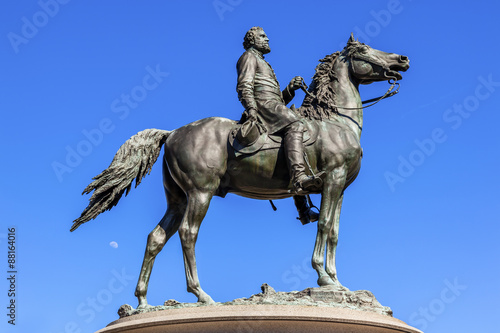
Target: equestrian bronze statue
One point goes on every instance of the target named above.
(214, 156)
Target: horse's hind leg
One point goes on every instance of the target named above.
(156, 240)
(197, 206)
(168, 225)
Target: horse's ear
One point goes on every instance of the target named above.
(351, 39)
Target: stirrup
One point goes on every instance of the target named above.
(309, 183)
(308, 216)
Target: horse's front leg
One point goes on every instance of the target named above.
(333, 187)
(331, 246)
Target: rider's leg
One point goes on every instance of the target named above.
(306, 214)
(294, 151)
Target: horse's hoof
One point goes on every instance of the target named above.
(208, 301)
(205, 299)
(336, 284)
(325, 281)
(144, 306)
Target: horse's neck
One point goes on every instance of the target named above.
(347, 95)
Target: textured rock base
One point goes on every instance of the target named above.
(259, 318)
(362, 300)
(323, 309)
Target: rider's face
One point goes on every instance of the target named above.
(261, 42)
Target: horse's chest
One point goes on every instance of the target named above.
(344, 146)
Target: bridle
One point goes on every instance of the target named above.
(388, 93)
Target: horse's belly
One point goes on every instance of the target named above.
(262, 175)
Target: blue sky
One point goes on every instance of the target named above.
(419, 226)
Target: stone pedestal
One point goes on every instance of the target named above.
(258, 318)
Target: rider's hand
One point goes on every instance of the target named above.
(251, 114)
(295, 83)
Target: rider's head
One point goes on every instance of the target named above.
(257, 38)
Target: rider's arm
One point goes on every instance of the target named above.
(246, 68)
(288, 94)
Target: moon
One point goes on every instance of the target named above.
(113, 244)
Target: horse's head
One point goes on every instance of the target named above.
(369, 65)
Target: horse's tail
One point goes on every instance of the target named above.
(134, 160)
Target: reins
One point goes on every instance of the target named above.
(388, 93)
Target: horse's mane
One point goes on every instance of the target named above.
(321, 106)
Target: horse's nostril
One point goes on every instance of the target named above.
(403, 58)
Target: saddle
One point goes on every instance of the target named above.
(251, 137)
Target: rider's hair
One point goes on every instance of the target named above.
(248, 41)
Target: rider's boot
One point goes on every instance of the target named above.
(294, 151)
(306, 214)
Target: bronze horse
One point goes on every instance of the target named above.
(199, 163)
